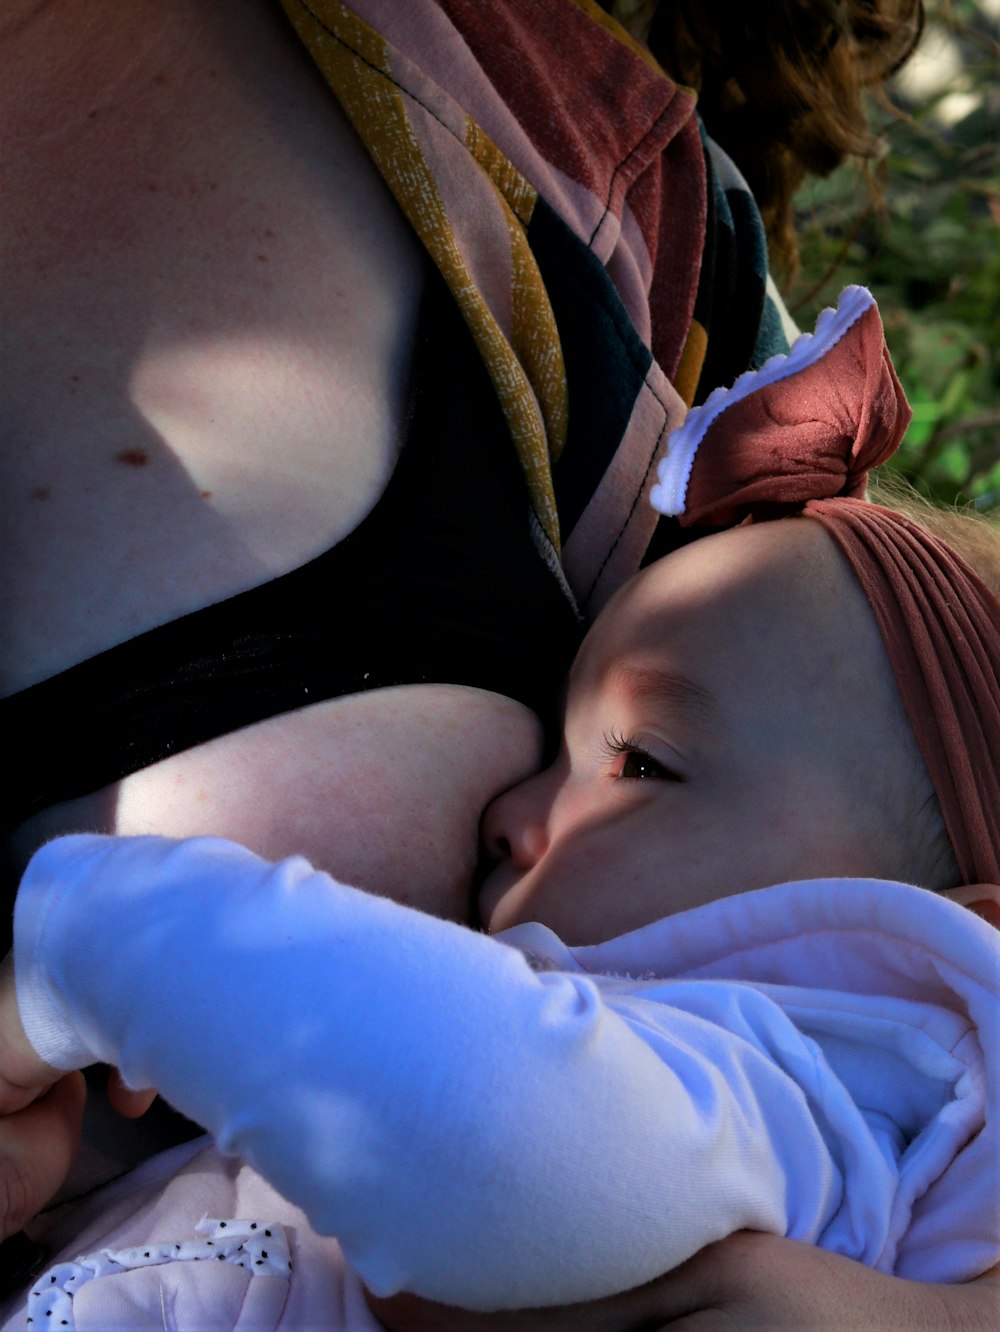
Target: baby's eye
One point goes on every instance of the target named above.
(639, 766)
(634, 763)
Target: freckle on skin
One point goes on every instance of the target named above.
(133, 457)
(41, 492)
(206, 494)
(262, 259)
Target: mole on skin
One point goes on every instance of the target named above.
(133, 457)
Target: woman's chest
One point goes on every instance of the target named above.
(208, 304)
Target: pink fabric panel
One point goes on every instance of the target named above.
(658, 408)
(523, 45)
(203, 1295)
(670, 202)
(165, 1198)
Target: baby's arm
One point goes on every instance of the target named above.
(470, 1130)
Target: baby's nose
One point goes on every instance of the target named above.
(514, 824)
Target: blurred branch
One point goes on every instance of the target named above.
(808, 298)
(990, 452)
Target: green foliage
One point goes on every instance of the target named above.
(930, 252)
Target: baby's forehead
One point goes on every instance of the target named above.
(772, 570)
(758, 609)
(765, 634)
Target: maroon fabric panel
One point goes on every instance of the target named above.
(669, 200)
(611, 121)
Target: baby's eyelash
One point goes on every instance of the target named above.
(614, 744)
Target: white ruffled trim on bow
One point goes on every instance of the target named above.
(669, 495)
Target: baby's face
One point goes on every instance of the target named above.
(729, 724)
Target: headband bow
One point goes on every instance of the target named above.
(806, 426)
(799, 436)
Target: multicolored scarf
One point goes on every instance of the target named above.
(606, 256)
(799, 437)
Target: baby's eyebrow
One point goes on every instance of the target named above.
(654, 684)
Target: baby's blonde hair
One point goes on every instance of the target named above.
(973, 534)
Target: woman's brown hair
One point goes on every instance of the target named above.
(780, 85)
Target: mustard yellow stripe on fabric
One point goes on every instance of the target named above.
(324, 25)
(535, 340)
(520, 196)
(692, 359)
(356, 64)
(534, 335)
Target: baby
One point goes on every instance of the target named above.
(731, 722)
(725, 1003)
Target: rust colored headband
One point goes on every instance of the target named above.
(799, 436)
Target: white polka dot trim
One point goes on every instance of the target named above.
(260, 1247)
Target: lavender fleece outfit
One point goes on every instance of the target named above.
(466, 1114)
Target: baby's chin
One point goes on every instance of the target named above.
(499, 900)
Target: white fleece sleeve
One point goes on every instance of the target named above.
(470, 1130)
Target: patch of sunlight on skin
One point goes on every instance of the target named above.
(204, 393)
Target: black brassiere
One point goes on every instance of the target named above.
(440, 583)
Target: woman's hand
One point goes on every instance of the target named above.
(37, 1147)
(746, 1281)
(41, 1114)
(23, 1075)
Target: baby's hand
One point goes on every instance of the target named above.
(24, 1076)
(129, 1103)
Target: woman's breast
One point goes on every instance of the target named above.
(383, 790)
